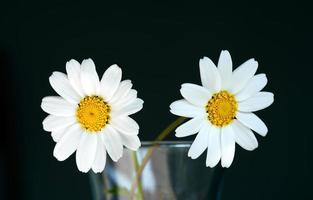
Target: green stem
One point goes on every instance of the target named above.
(136, 165)
(150, 151)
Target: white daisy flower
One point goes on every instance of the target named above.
(91, 116)
(221, 109)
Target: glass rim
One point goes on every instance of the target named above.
(166, 143)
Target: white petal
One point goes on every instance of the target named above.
(57, 106)
(112, 141)
(58, 134)
(130, 141)
(242, 75)
(89, 77)
(68, 143)
(110, 81)
(52, 122)
(227, 146)
(195, 94)
(125, 125)
(129, 98)
(122, 91)
(244, 136)
(200, 144)
(252, 121)
(86, 151)
(100, 158)
(190, 127)
(257, 102)
(73, 72)
(129, 109)
(62, 86)
(255, 85)
(225, 68)
(185, 109)
(210, 77)
(214, 147)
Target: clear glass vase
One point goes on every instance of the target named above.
(168, 174)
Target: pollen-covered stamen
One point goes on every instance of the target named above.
(222, 108)
(93, 113)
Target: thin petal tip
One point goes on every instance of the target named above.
(177, 134)
(58, 157)
(225, 52)
(72, 61)
(210, 165)
(88, 62)
(115, 66)
(97, 171)
(83, 170)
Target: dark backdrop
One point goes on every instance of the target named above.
(158, 45)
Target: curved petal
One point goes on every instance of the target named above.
(52, 122)
(86, 151)
(130, 109)
(190, 127)
(244, 136)
(214, 147)
(132, 142)
(200, 143)
(209, 74)
(57, 106)
(129, 98)
(62, 86)
(73, 73)
(122, 91)
(227, 146)
(257, 102)
(255, 85)
(112, 142)
(195, 94)
(110, 81)
(125, 125)
(68, 143)
(225, 68)
(252, 121)
(58, 134)
(185, 109)
(100, 158)
(242, 75)
(89, 77)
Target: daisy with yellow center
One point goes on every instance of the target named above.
(221, 109)
(91, 116)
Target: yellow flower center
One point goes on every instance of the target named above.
(222, 108)
(93, 113)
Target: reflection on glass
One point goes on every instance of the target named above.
(169, 174)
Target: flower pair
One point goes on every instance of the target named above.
(91, 116)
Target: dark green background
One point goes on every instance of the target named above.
(158, 45)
